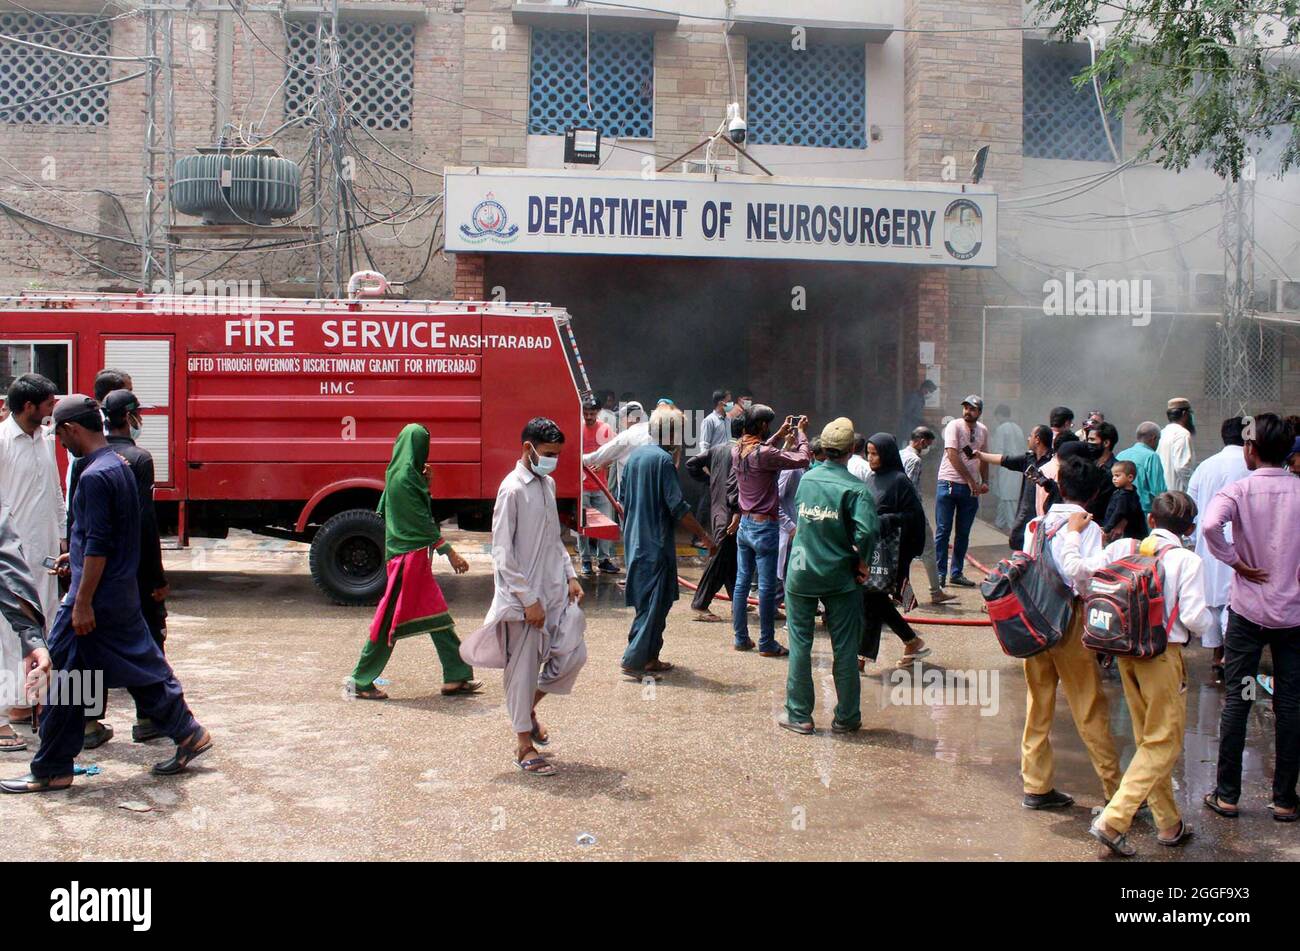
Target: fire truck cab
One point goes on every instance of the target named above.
(278, 415)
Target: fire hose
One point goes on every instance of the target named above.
(909, 618)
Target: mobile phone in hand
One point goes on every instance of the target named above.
(48, 562)
(968, 452)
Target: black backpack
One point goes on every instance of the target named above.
(1029, 603)
(1124, 605)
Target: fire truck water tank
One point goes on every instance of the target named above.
(236, 186)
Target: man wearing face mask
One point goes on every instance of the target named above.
(651, 497)
(123, 424)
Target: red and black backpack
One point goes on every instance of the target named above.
(1124, 605)
(1029, 603)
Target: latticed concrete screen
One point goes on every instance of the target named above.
(376, 70)
(29, 75)
(1060, 121)
(1262, 369)
(815, 96)
(622, 83)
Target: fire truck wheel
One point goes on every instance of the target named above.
(347, 557)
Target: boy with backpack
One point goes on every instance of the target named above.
(1152, 669)
(1067, 662)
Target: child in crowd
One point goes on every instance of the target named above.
(1124, 515)
(1154, 687)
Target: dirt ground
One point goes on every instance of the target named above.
(690, 768)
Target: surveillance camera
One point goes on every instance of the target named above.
(736, 128)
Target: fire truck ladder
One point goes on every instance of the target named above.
(566, 322)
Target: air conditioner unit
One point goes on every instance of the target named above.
(700, 167)
(1285, 297)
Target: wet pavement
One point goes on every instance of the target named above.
(692, 767)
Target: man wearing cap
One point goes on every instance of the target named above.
(962, 481)
(835, 531)
(99, 629)
(1175, 449)
(123, 424)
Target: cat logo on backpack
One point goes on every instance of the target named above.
(1098, 618)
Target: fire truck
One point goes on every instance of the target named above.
(279, 415)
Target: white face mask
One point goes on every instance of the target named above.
(542, 465)
(926, 450)
(135, 432)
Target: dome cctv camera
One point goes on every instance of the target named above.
(736, 127)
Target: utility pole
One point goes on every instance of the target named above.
(1238, 238)
(159, 148)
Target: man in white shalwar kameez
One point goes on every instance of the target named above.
(29, 488)
(1213, 475)
(1175, 448)
(534, 627)
(1008, 440)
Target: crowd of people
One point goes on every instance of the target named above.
(827, 527)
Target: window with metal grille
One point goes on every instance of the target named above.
(620, 101)
(376, 70)
(815, 96)
(46, 86)
(1260, 367)
(1060, 121)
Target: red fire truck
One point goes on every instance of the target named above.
(278, 415)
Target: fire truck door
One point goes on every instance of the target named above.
(147, 358)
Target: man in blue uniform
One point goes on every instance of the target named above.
(99, 626)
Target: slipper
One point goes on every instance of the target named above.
(12, 744)
(781, 651)
(1282, 816)
(1211, 801)
(374, 693)
(659, 667)
(188, 750)
(536, 766)
(747, 646)
(465, 689)
(1184, 833)
(708, 618)
(794, 726)
(538, 737)
(906, 660)
(31, 783)
(97, 737)
(641, 674)
(1119, 845)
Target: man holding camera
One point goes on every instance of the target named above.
(755, 464)
(1039, 443)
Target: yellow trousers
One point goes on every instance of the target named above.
(1158, 705)
(1074, 667)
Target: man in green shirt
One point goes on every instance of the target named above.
(1150, 470)
(835, 531)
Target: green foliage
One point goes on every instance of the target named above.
(1208, 78)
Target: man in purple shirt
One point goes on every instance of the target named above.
(755, 465)
(1264, 609)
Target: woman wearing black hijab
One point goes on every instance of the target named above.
(899, 507)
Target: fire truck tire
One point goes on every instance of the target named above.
(347, 557)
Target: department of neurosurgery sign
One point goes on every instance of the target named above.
(692, 216)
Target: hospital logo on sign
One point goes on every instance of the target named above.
(489, 222)
(963, 229)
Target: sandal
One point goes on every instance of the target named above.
(536, 765)
(464, 688)
(371, 693)
(538, 736)
(31, 783)
(781, 651)
(1291, 816)
(658, 667)
(12, 743)
(97, 737)
(1213, 804)
(1211, 801)
(1184, 833)
(187, 750)
(1119, 845)
(708, 617)
(906, 660)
